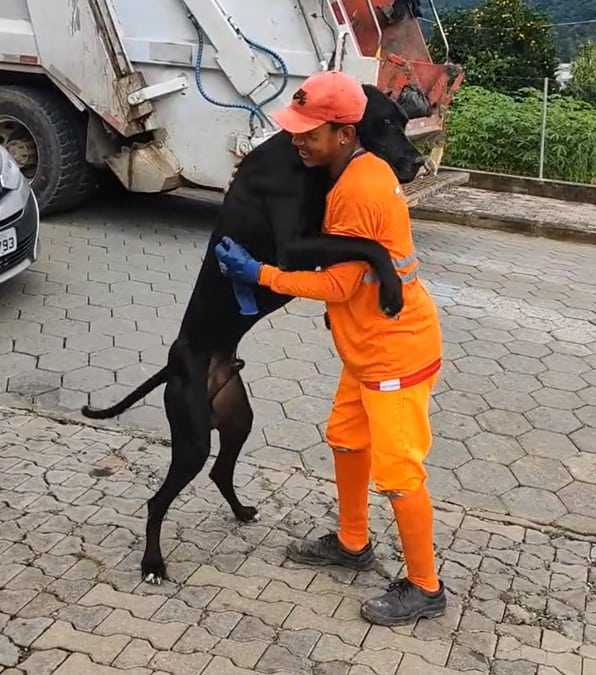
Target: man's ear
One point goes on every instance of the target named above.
(347, 133)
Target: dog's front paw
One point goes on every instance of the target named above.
(391, 300)
(153, 572)
(247, 514)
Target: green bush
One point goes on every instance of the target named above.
(490, 131)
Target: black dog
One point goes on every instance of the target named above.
(274, 207)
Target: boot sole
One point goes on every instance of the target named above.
(380, 620)
(357, 567)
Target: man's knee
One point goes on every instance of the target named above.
(345, 439)
(344, 431)
(413, 487)
(398, 479)
(347, 451)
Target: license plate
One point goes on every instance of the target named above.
(8, 241)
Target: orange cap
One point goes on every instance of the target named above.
(330, 96)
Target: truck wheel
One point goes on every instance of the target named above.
(45, 134)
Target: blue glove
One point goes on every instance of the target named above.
(236, 262)
(245, 297)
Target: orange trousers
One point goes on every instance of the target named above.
(393, 425)
(385, 436)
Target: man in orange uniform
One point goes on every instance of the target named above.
(379, 427)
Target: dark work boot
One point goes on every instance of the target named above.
(327, 550)
(404, 603)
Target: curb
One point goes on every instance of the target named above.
(546, 188)
(517, 225)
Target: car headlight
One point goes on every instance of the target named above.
(10, 174)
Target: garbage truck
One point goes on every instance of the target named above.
(169, 94)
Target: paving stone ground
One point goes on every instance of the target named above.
(521, 599)
(514, 414)
(513, 467)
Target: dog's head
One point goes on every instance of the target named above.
(382, 131)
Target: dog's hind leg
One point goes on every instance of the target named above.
(233, 418)
(187, 408)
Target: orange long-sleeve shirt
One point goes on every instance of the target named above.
(367, 201)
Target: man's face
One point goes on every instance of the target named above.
(322, 146)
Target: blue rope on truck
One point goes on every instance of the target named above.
(254, 109)
(245, 294)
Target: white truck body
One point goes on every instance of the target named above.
(131, 67)
(103, 52)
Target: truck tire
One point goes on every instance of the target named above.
(52, 128)
(88, 184)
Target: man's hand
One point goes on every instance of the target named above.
(236, 262)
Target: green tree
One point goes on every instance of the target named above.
(583, 85)
(567, 37)
(503, 45)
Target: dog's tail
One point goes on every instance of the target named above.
(118, 408)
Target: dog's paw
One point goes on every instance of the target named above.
(391, 300)
(152, 579)
(247, 514)
(153, 573)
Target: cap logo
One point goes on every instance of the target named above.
(300, 97)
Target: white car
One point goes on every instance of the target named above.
(19, 219)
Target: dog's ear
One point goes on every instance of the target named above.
(369, 89)
(402, 115)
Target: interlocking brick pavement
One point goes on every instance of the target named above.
(513, 466)
(514, 414)
(521, 597)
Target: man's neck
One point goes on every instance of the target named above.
(337, 167)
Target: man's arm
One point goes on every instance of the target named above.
(327, 250)
(335, 284)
